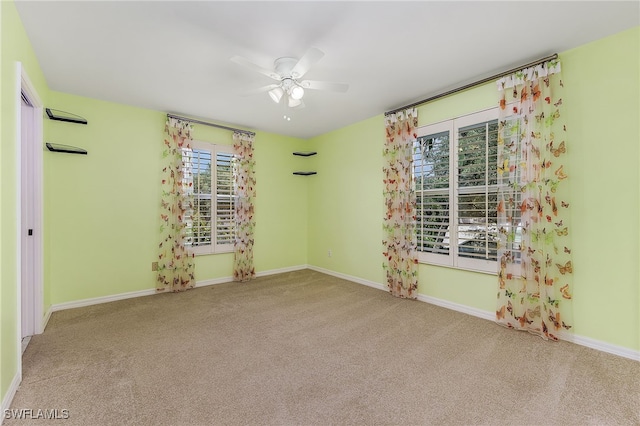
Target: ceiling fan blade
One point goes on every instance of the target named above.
(324, 85)
(259, 90)
(246, 63)
(312, 56)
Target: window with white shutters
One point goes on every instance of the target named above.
(455, 176)
(211, 224)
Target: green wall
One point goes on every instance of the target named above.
(102, 208)
(15, 47)
(345, 200)
(602, 96)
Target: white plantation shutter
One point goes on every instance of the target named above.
(211, 225)
(201, 220)
(514, 236)
(225, 221)
(454, 168)
(431, 173)
(477, 190)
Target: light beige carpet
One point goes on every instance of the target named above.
(304, 348)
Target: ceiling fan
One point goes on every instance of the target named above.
(288, 72)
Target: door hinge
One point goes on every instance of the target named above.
(30, 232)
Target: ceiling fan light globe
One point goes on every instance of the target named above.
(297, 92)
(276, 94)
(294, 102)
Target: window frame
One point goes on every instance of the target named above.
(453, 259)
(214, 247)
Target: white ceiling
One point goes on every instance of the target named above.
(173, 56)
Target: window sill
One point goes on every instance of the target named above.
(201, 252)
(460, 268)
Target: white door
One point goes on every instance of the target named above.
(30, 215)
(26, 213)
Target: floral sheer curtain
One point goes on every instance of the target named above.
(401, 261)
(534, 252)
(175, 263)
(245, 182)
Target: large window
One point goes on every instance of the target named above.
(211, 226)
(454, 167)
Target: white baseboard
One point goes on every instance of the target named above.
(223, 280)
(358, 280)
(421, 297)
(11, 392)
(98, 300)
(569, 337)
(148, 292)
(213, 281)
(45, 319)
(487, 315)
(281, 270)
(480, 313)
(601, 346)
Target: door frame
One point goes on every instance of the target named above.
(35, 306)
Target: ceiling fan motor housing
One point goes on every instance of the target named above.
(283, 66)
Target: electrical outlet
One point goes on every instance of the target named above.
(329, 253)
(154, 266)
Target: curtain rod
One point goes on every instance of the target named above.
(219, 126)
(475, 83)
